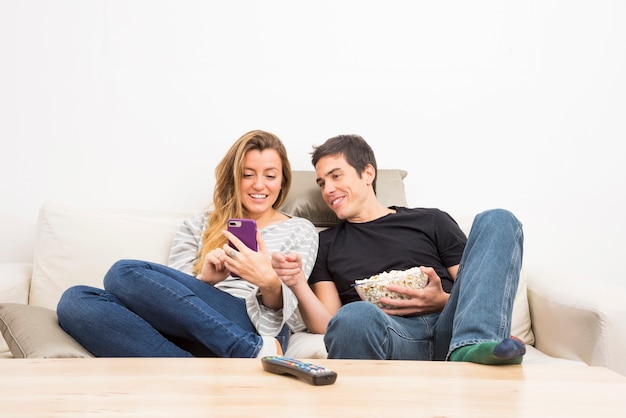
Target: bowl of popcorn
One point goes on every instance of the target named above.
(375, 287)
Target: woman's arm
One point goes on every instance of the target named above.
(318, 304)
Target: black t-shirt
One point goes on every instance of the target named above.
(398, 241)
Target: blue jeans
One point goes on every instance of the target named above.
(150, 310)
(479, 308)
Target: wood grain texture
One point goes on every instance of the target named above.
(240, 387)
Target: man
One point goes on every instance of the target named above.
(464, 312)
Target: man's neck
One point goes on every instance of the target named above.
(374, 211)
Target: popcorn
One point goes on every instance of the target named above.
(373, 288)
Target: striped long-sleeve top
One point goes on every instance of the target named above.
(293, 235)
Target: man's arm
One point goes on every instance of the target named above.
(452, 271)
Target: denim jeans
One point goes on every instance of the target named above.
(150, 310)
(479, 308)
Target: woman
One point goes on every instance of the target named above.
(195, 306)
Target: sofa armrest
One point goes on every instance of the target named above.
(577, 321)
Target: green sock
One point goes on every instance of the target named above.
(508, 351)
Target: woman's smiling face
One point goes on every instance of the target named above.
(261, 182)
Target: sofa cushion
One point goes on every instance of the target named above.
(306, 345)
(34, 332)
(78, 245)
(15, 283)
(520, 321)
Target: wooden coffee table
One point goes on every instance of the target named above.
(240, 387)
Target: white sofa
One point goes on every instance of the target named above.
(70, 245)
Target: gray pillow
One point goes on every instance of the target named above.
(34, 332)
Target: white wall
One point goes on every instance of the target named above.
(487, 103)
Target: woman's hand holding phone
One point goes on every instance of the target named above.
(254, 267)
(214, 268)
(245, 231)
(244, 262)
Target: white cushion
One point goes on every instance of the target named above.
(520, 322)
(15, 282)
(78, 245)
(306, 345)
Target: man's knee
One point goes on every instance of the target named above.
(354, 319)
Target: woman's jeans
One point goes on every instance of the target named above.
(150, 310)
(479, 308)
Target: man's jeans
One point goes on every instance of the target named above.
(149, 310)
(479, 308)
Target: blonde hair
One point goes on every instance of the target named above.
(227, 192)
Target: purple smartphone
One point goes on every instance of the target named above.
(245, 230)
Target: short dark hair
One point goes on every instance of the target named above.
(354, 149)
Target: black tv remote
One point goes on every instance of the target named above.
(309, 372)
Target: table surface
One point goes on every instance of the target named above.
(202, 387)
